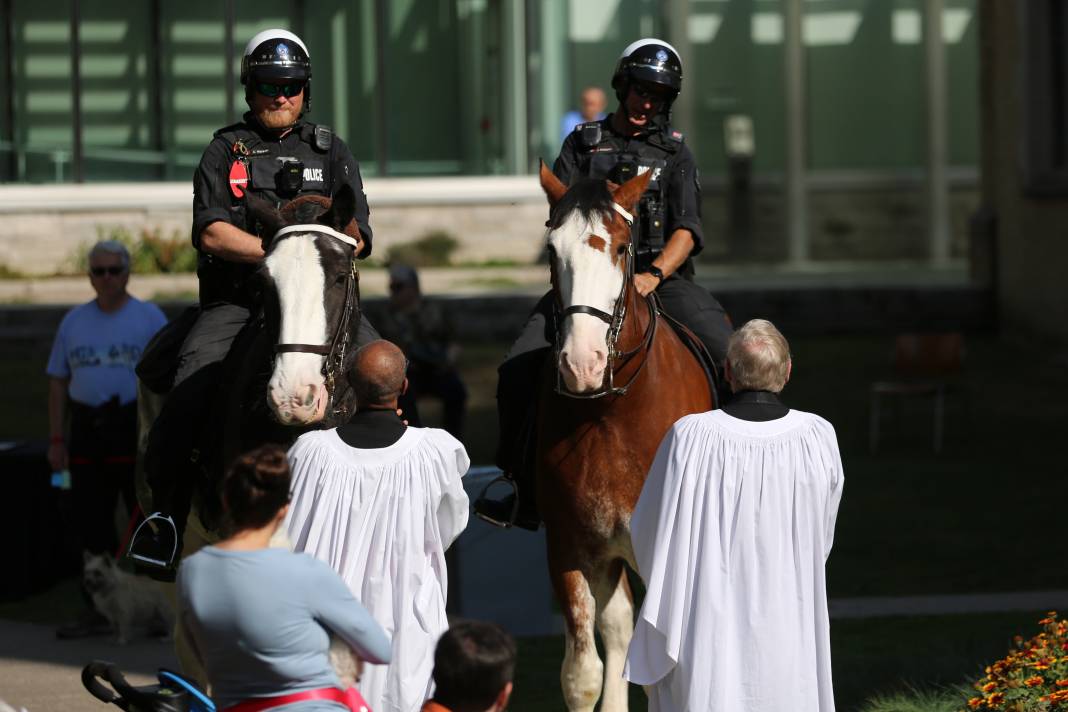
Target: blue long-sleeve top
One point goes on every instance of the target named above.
(259, 622)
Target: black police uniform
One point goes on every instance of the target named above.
(241, 158)
(324, 163)
(671, 202)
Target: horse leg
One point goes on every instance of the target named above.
(582, 671)
(615, 622)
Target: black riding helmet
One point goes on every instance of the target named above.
(651, 61)
(276, 56)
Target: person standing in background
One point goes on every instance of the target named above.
(93, 390)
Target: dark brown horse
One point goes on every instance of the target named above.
(621, 378)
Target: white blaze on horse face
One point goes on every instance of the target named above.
(297, 391)
(586, 275)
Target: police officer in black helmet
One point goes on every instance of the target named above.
(636, 138)
(274, 153)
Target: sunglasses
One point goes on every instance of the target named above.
(101, 271)
(287, 90)
(648, 94)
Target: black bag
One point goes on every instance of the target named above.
(159, 361)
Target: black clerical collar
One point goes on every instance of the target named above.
(370, 429)
(756, 406)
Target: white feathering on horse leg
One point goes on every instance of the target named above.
(582, 671)
(615, 622)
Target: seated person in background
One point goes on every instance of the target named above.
(259, 617)
(731, 533)
(420, 328)
(474, 664)
(380, 503)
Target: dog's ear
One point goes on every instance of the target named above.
(108, 561)
(86, 556)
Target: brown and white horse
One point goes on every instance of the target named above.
(620, 380)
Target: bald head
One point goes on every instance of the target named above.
(377, 374)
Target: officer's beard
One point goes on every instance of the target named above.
(279, 119)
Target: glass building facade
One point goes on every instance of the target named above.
(101, 91)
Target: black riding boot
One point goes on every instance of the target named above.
(516, 416)
(171, 473)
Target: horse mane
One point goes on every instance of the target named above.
(588, 196)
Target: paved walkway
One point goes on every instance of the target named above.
(42, 674)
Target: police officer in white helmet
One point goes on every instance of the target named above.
(275, 153)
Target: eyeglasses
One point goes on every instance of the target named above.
(101, 271)
(287, 90)
(649, 94)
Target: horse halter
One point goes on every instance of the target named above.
(615, 326)
(335, 349)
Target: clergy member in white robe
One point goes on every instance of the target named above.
(380, 502)
(731, 534)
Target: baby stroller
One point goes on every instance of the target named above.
(174, 693)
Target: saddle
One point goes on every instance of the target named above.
(716, 385)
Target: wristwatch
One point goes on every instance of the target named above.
(656, 272)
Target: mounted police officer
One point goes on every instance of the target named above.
(634, 139)
(276, 154)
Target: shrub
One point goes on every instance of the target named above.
(150, 252)
(1033, 677)
(434, 249)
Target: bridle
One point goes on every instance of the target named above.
(615, 326)
(334, 350)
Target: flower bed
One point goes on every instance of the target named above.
(1034, 675)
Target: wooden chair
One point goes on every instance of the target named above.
(925, 365)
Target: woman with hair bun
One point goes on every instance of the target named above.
(258, 617)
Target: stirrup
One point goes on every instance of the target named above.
(155, 548)
(482, 501)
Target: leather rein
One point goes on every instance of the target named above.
(334, 350)
(615, 322)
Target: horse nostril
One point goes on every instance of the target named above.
(309, 397)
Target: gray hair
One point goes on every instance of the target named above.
(759, 357)
(110, 247)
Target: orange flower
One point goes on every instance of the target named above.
(1061, 683)
(975, 703)
(988, 687)
(997, 698)
(1033, 681)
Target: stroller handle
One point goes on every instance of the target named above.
(99, 670)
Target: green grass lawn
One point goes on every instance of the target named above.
(984, 515)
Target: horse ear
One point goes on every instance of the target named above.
(264, 213)
(627, 194)
(342, 208)
(554, 189)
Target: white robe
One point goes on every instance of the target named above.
(731, 533)
(383, 518)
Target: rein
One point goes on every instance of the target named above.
(615, 322)
(335, 349)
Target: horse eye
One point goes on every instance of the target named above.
(621, 249)
(340, 279)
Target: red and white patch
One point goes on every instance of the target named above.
(238, 178)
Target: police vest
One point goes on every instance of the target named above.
(619, 159)
(275, 172)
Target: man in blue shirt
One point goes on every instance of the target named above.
(92, 396)
(592, 103)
